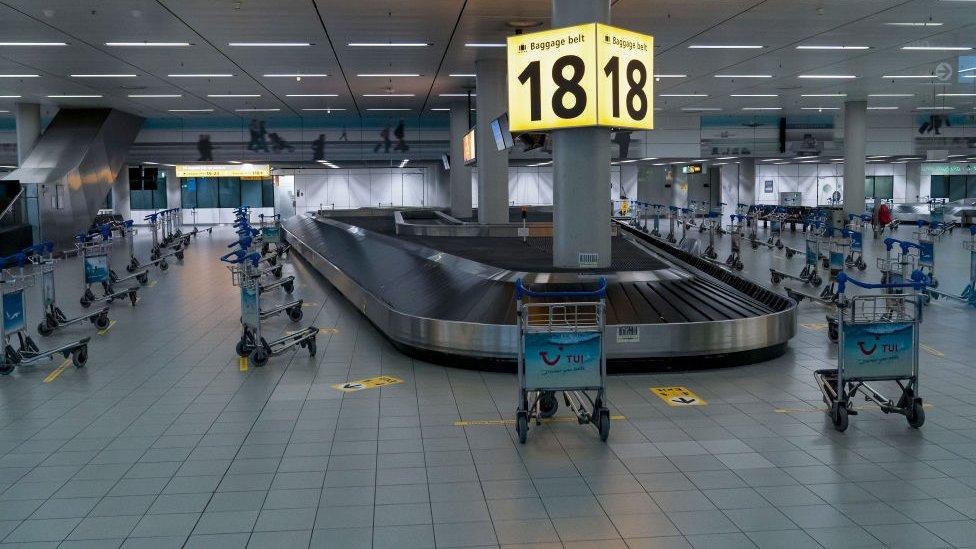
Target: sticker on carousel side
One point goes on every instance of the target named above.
(815, 326)
(369, 383)
(678, 396)
(628, 334)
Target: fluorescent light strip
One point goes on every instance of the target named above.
(670, 76)
(387, 75)
(696, 109)
(147, 44)
(323, 109)
(956, 94)
(463, 75)
(935, 108)
(31, 44)
(296, 75)
(727, 158)
(823, 95)
(936, 48)
(723, 47)
(484, 45)
(312, 95)
(906, 76)
(388, 95)
(833, 47)
(753, 95)
(743, 76)
(20, 76)
(456, 95)
(226, 95)
(256, 110)
(388, 44)
(882, 108)
(827, 76)
(269, 44)
(386, 109)
(762, 108)
(891, 95)
(920, 24)
(682, 95)
(103, 75)
(967, 70)
(10, 96)
(73, 96)
(154, 95)
(201, 75)
(820, 108)
(190, 110)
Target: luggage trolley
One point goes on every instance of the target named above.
(713, 221)
(968, 294)
(810, 273)
(735, 229)
(561, 350)
(14, 282)
(878, 342)
(42, 257)
(95, 258)
(855, 256)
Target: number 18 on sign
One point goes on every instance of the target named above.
(584, 75)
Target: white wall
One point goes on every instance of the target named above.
(810, 179)
(532, 186)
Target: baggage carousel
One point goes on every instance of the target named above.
(450, 299)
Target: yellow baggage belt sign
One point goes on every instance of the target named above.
(678, 396)
(369, 383)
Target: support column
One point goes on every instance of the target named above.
(855, 138)
(492, 164)
(28, 119)
(581, 167)
(651, 185)
(460, 174)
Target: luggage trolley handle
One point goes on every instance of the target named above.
(599, 293)
(39, 250)
(238, 257)
(919, 281)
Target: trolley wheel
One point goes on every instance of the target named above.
(832, 332)
(179, 255)
(79, 357)
(241, 349)
(839, 417)
(816, 280)
(934, 282)
(143, 278)
(113, 276)
(295, 313)
(277, 271)
(521, 423)
(289, 286)
(738, 265)
(163, 265)
(311, 346)
(775, 279)
(272, 261)
(102, 321)
(84, 302)
(790, 253)
(729, 260)
(861, 265)
(916, 415)
(548, 404)
(129, 268)
(154, 255)
(133, 297)
(826, 263)
(45, 329)
(259, 357)
(755, 245)
(6, 369)
(603, 423)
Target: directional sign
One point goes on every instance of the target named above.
(584, 75)
(678, 396)
(369, 383)
(943, 72)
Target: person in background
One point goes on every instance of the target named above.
(254, 128)
(262, 144)
(400, 134)
(880, 217)
(384, 141)
(622, 139)
(205, 148)
(318, 148)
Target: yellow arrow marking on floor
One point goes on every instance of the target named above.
(107, 328)
(242, 363)
(932, 351)
(58, 371)
(152, 283)
(824, 410)
(816, 326)
(471, 422)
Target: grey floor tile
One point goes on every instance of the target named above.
(471, 534)
(778, 539)
(174, 542)
(403, 537)
(42, 530)
(353, 538)
(169, 525)
(294, 538)
(225, 522)
(273, 520)
(218, 541)
(104, 527)
(65, 508)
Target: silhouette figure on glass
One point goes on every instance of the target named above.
(205, 148)
(318, 148)
(262, 144)
(255, 130)
(278, 144)
(934, 123)
(622, 139)
(385, 141)
(400, 133)
(343, 137)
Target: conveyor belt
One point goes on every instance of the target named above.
(425, 297)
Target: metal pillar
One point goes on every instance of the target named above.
(581, 168)
(28, 119)
(460, 174)
(492, 164)
(855, 122)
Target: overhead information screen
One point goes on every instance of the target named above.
(584, 75)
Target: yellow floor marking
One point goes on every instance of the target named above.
(368, 383)
(242, 363)
(107, 328)
(824, 410)
(678, 396)
(58, 371)
(152, 283)
(816, 326)
(471, 422)
(932, 351)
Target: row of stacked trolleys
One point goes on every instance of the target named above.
(32, 271)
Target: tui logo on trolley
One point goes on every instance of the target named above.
(878, 349)
(562, 360)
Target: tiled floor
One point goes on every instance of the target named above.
(162, 441)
